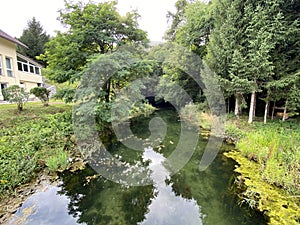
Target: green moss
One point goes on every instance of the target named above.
(280, 207)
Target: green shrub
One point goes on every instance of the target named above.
(234, 132)
(57, 161)
(42, 93)
(191, 114)
(29, 146)
(16, 94)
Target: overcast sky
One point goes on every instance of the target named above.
(14, 15)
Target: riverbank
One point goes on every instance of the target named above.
(268, 158)
(34, 143)
(90, 195)
(269, 167)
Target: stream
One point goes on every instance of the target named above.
(189, 197)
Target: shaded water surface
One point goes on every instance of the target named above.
(186, 198)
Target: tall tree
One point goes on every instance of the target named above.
(35, 38)
(263, 31)
(92, 29)
(197, 27)
(242, 47)
(176, 19)
(286, 57)
(226, 50)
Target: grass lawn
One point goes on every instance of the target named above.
(10, 116)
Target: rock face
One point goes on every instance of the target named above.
(52, 89)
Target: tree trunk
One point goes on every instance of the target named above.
(251, 111)
(266, 111)
(273, 110)
(20, 106)
(228, 105)
(284, 112)
(254, 107)
(237, 106)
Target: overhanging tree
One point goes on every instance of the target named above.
(196, 28)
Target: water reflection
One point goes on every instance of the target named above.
(44, 208)
(166, 207)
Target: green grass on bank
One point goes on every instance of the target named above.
(269, 166)
(36, 138)
(276, 148)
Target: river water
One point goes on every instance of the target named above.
(189, 197)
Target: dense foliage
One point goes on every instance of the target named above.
(95, 32)
(92, 29)
(253, 47)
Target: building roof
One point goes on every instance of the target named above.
(10, 38)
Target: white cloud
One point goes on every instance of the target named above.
(153, 14)
(15, 14)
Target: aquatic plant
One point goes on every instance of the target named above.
(279, 207)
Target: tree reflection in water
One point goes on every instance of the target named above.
(104, 202)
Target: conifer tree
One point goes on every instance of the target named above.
(35, 38)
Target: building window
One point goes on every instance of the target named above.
(27, 67)
(37, 70)
(1, 73)
(31, 68)
(9, 68)
(20, 68)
